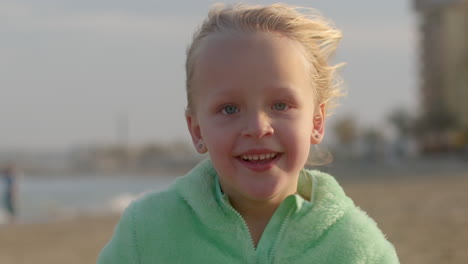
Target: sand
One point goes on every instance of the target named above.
(426, 220)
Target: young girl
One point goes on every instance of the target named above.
(259, 87)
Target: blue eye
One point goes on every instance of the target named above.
(230, 109)
(280, 106)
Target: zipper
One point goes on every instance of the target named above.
(278, 236)
(280, 232)
(243, 221)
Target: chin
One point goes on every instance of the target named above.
(267, 192)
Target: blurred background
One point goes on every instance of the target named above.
(92, 98)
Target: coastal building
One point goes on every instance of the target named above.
(443, 26)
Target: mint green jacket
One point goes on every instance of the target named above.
(193, 222)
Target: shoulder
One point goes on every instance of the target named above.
(154, 208)
(357, 234)
(186, 198)
(144, 222)
(155, 199)
(355, 224)
(360, 234)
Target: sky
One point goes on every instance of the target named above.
(72, 72)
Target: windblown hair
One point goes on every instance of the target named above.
(318, 38)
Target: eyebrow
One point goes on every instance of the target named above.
(283, 89)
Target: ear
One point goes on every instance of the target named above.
(319, 125)
(194, 129)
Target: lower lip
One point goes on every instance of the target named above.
(260, 165)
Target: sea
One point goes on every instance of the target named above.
(45, 199)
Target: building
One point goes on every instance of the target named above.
(444, 71)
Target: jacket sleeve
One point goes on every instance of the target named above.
(122, 248)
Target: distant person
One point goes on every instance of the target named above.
(259, 86)
(9, 198)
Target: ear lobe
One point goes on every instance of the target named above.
(194, 129)
(319, 125)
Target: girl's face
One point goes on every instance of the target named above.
(254, 113)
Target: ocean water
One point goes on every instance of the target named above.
(47, 199)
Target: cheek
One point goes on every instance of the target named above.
(218, 139)
(297, 139)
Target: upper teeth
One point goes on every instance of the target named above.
(259, 157)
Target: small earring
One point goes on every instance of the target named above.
(200, 145)
(316, 134)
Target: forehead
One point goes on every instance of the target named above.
(246, 60)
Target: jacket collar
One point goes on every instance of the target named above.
(320, 203)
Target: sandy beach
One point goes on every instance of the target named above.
(426, 220)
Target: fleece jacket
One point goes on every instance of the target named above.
(193, 222)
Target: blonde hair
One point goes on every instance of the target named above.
(317, 36)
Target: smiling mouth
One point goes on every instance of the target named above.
(257, 158)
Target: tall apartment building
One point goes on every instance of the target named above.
(444, 62)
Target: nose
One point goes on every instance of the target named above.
(257, 125)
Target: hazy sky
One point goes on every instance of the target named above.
(69, 70)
